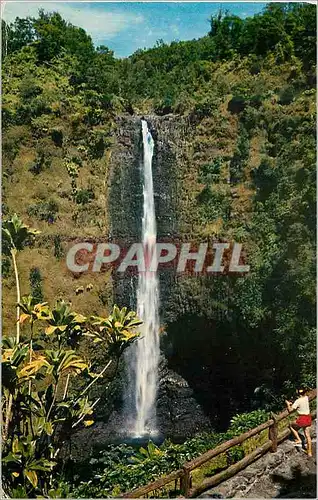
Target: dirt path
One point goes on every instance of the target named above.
(288, 473)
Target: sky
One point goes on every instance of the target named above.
(125, 27)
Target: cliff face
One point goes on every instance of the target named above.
(178, 412)
(126, 196)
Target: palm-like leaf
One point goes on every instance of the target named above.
(32, 310)
(33, 367)
(15, 233)
(64, 362)
(119, 330)
(13, 357)
(65, 323)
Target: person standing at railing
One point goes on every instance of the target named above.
(303, 421)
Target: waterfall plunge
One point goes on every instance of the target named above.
(143, 364)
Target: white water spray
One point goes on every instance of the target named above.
(146, 349)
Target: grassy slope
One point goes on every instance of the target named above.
(217, 135)
(22, 189)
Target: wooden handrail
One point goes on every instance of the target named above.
(233, 469)
(155, 485)
(202, 459)
(184, 473)
(230, 471)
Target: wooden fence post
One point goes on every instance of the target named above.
(273, 433)
(185, 482)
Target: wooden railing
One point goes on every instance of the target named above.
(184, 475)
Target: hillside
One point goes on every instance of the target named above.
(234, 117)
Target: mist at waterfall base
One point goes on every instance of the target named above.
(142, 358)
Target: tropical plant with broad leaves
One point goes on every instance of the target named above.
(66, 324)
(32, 311)
(117, 331)
(14, 235)
(46, 409)
(151, 451)
(40, 405)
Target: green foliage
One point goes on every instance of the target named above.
(55, 35)
(97, 142)
(17, 35)
(240, 157)
(15, 233)
(39, 407)
(286, 95)
(62, 92)
(151, 452)
(41, 162)
(84, 196)
(277, 28)
(36, 284)
(122, 468)
(57, 137)
(214, 203)
(209, 173)
(29, 88)
(12, 141)
(117, 331)
(165, 105)
(58, 250)
(242, 423)
(5, 266)
(44, 210)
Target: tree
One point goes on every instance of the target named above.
(15, 234)
(55, 35)
(226, 32)
(17, 35)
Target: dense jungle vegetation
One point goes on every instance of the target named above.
(247, 89)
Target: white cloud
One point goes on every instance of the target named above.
(174, 29)
(100, 24)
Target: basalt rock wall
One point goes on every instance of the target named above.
(179, 413)
(126, 193)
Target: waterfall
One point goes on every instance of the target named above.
(145, 357)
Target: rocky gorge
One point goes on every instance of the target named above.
(179, 413)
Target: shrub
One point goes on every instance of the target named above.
(57, 137)
(104, 295)
(5, 266)
(84, 196)
(36, 284)
(287, 95)
(255, 64)
(29, 88)
(164, 106)
(205, 107)
(58, 249)
(12, 140)
(237, 104)
(97, 143)
(72, 168)
(246, 421)
(41, 163)
(44, 211)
